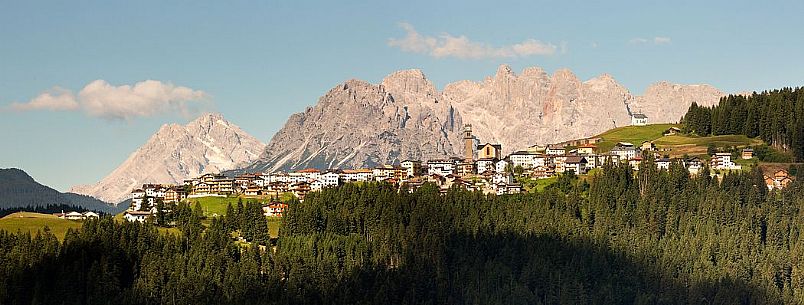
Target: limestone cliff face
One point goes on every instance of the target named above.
(359, 124)
(666, 102)
(176, 152)
(533, 107)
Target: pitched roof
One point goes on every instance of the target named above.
(575, 159)
(639, 116)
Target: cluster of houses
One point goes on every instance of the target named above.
(73, 215)
(779, 180)
(482, 168)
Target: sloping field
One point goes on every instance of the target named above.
(33, 222)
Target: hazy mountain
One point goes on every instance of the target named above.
(18, 189)
(177, 152)
(360, 124)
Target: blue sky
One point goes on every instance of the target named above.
(257, 62)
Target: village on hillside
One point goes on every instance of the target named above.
(483, 168)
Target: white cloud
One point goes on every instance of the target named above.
(638, 41)
(446, 45)
(56, 99)
(101, 99)
(658, 40)
(661, 40)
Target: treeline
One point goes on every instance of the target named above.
(650, 237)
(777, 117)
(48, 209)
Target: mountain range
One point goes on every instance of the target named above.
(359, 124)
(19, 190)
(209, 144)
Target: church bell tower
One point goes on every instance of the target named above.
(469, 144)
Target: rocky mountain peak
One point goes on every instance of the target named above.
(177, 152)
(409, 82)
(504, 71)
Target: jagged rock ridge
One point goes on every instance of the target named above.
(176, 152)
(358, 124)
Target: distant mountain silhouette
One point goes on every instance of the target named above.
(18, 189)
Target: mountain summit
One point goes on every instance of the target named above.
(176, 152)
(359, 124)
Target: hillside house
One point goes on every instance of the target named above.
(577, 164)
(694, 165)
(413, 168)
(440, 167)
(747, 154)
(671, 131)
(253, 190)
(136, 216)
(635, 162)
(555, 150)
(542, 172)
(331, 178)
(624, 152)
(648, 146)
(723, 161)
(523, 158)
(663, 163)
(501, 165)
(274, 209)
(484, 165)
(779, 180)
(639, 119)
(587, 149)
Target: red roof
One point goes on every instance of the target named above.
(309, 170)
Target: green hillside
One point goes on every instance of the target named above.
(632, 134)
(33, 222)
(680, 145)
(675, 145)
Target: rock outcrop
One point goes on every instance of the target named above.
(176, 152)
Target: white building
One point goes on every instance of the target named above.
(357, 175)
(555, 150)
(723, 161)
(136, 216)
(331, 179)
(484, 165)
(577, 164)
(639, 119)
(624, 152)
(523, 158)
(501, 165)
(412, 168)
(663, 163)
(440, 167)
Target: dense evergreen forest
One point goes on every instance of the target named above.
(622, 237)
(777, 117)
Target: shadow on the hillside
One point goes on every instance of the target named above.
(512, 269)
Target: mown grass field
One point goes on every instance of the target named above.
(679, 145)
(216, 206)
(33, 222)
(675, 145)
(632, 134)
